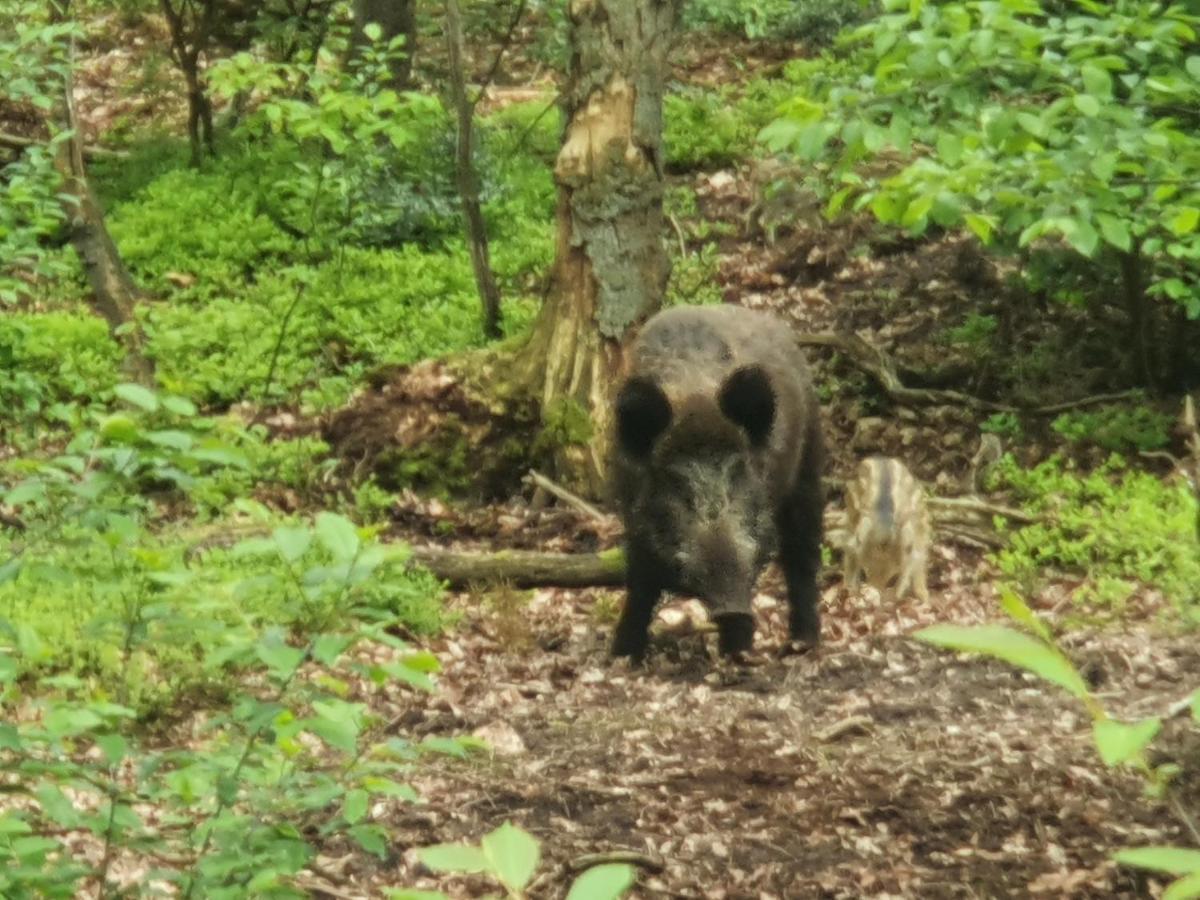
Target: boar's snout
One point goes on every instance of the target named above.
(720, 568)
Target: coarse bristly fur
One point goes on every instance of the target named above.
(716, 467)
(887, 522)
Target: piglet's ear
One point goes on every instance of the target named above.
(747, 399)
(643, 413)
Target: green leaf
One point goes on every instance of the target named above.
(1171, 860)
(1193, 66)
(57, 807)
(1081, 235)
(454, 858)
(1184, 221)
(180, 406)
(67, 721)
(171, 439)
(1186, 888)
(282, 659)
(1012, 647)
(119, 428)
(1115, 231)
(10, 738)
(336, 722)
(114, 747)
(949, 148)
(414, 894)
(1016, 610)
(328, 647)
(513, 855)
(607, 882)
(292, 543)
(354, 805)
(1096, 80)
(136, 395)
(1196, 706)
(8, 665)
(1119, 743)
(338, 535)
(981, 226)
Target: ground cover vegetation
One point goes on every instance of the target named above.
(221, 672)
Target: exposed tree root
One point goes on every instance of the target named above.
(872, 360)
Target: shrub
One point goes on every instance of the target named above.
(1055, 130)
(1111, 525)
(1116, 428)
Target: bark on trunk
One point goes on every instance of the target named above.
(114, 293)
(394, 17)
(611, 266)
(468, 181)
(191, 29)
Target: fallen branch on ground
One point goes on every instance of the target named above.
(537, 479)
(968, 523)
(872, 360)
(524, 568)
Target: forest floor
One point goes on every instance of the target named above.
(872, 767)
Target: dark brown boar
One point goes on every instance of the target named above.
(716, 467)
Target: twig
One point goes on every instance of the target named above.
(679, 233)
(882, 368)
(313, 884)
(564, 495)
(16, 142)
(844, 727)
(1185, 817)
(504, 45)
(974, 504)
(645, 861)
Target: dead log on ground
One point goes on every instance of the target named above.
(524, 568)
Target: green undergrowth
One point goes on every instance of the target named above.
(146, 520)
(265, 292)
(1118, 528)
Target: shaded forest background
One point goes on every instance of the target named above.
(269, 273)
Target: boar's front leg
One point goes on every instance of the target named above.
(799, 523)
(644, 587)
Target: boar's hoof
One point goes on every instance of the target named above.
(632, 646)
(735, 633)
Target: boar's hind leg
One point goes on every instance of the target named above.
(800, 548)
(643, 590)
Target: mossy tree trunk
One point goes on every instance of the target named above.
(611, 266)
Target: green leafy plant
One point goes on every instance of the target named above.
(1032, 647)
(1004, 424)
(293, 747)
(1113, 525)
(33, 53)
(1073, 130)
(1116, 428)
(510, 856)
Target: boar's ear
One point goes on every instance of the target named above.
(643, 413)
(748, 400)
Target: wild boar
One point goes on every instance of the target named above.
(888, 527)
(716, 467)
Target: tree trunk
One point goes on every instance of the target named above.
(468, 181)
(611, 267)
(114, 293)
(394, 17)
